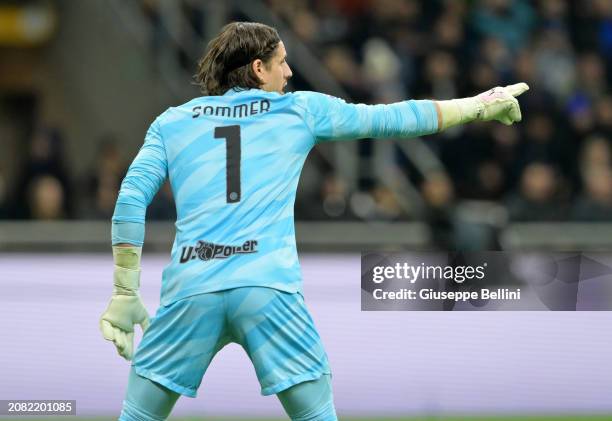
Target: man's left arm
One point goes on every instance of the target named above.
(331, 118)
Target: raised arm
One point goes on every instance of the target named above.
(331, 118)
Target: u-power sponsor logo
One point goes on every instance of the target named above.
(208, 251)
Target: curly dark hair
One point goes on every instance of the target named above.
(226, 63)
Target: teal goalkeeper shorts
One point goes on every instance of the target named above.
(274, 328)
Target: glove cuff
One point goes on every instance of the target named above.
(460, 111)
(126, 281)
(127, 257)
(126, 277)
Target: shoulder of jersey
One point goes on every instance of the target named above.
(172, 113)
(186, 108)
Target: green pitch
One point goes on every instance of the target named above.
(432, 418)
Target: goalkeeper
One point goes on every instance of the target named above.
(233, 158)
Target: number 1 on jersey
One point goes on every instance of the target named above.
(231, 134)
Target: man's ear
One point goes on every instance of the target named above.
(257, 66)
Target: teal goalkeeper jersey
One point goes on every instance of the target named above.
(234, 162)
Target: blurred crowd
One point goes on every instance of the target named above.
(47, 189)
(553, 166)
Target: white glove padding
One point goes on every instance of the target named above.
(500, 104)
(117, 322)
(125, 308)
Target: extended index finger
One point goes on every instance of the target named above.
(517, 88)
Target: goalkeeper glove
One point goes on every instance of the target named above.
(126, 308)
(498, 104)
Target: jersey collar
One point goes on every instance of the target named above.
(236, 90)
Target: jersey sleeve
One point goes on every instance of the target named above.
(331, 118)
(145, 176)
